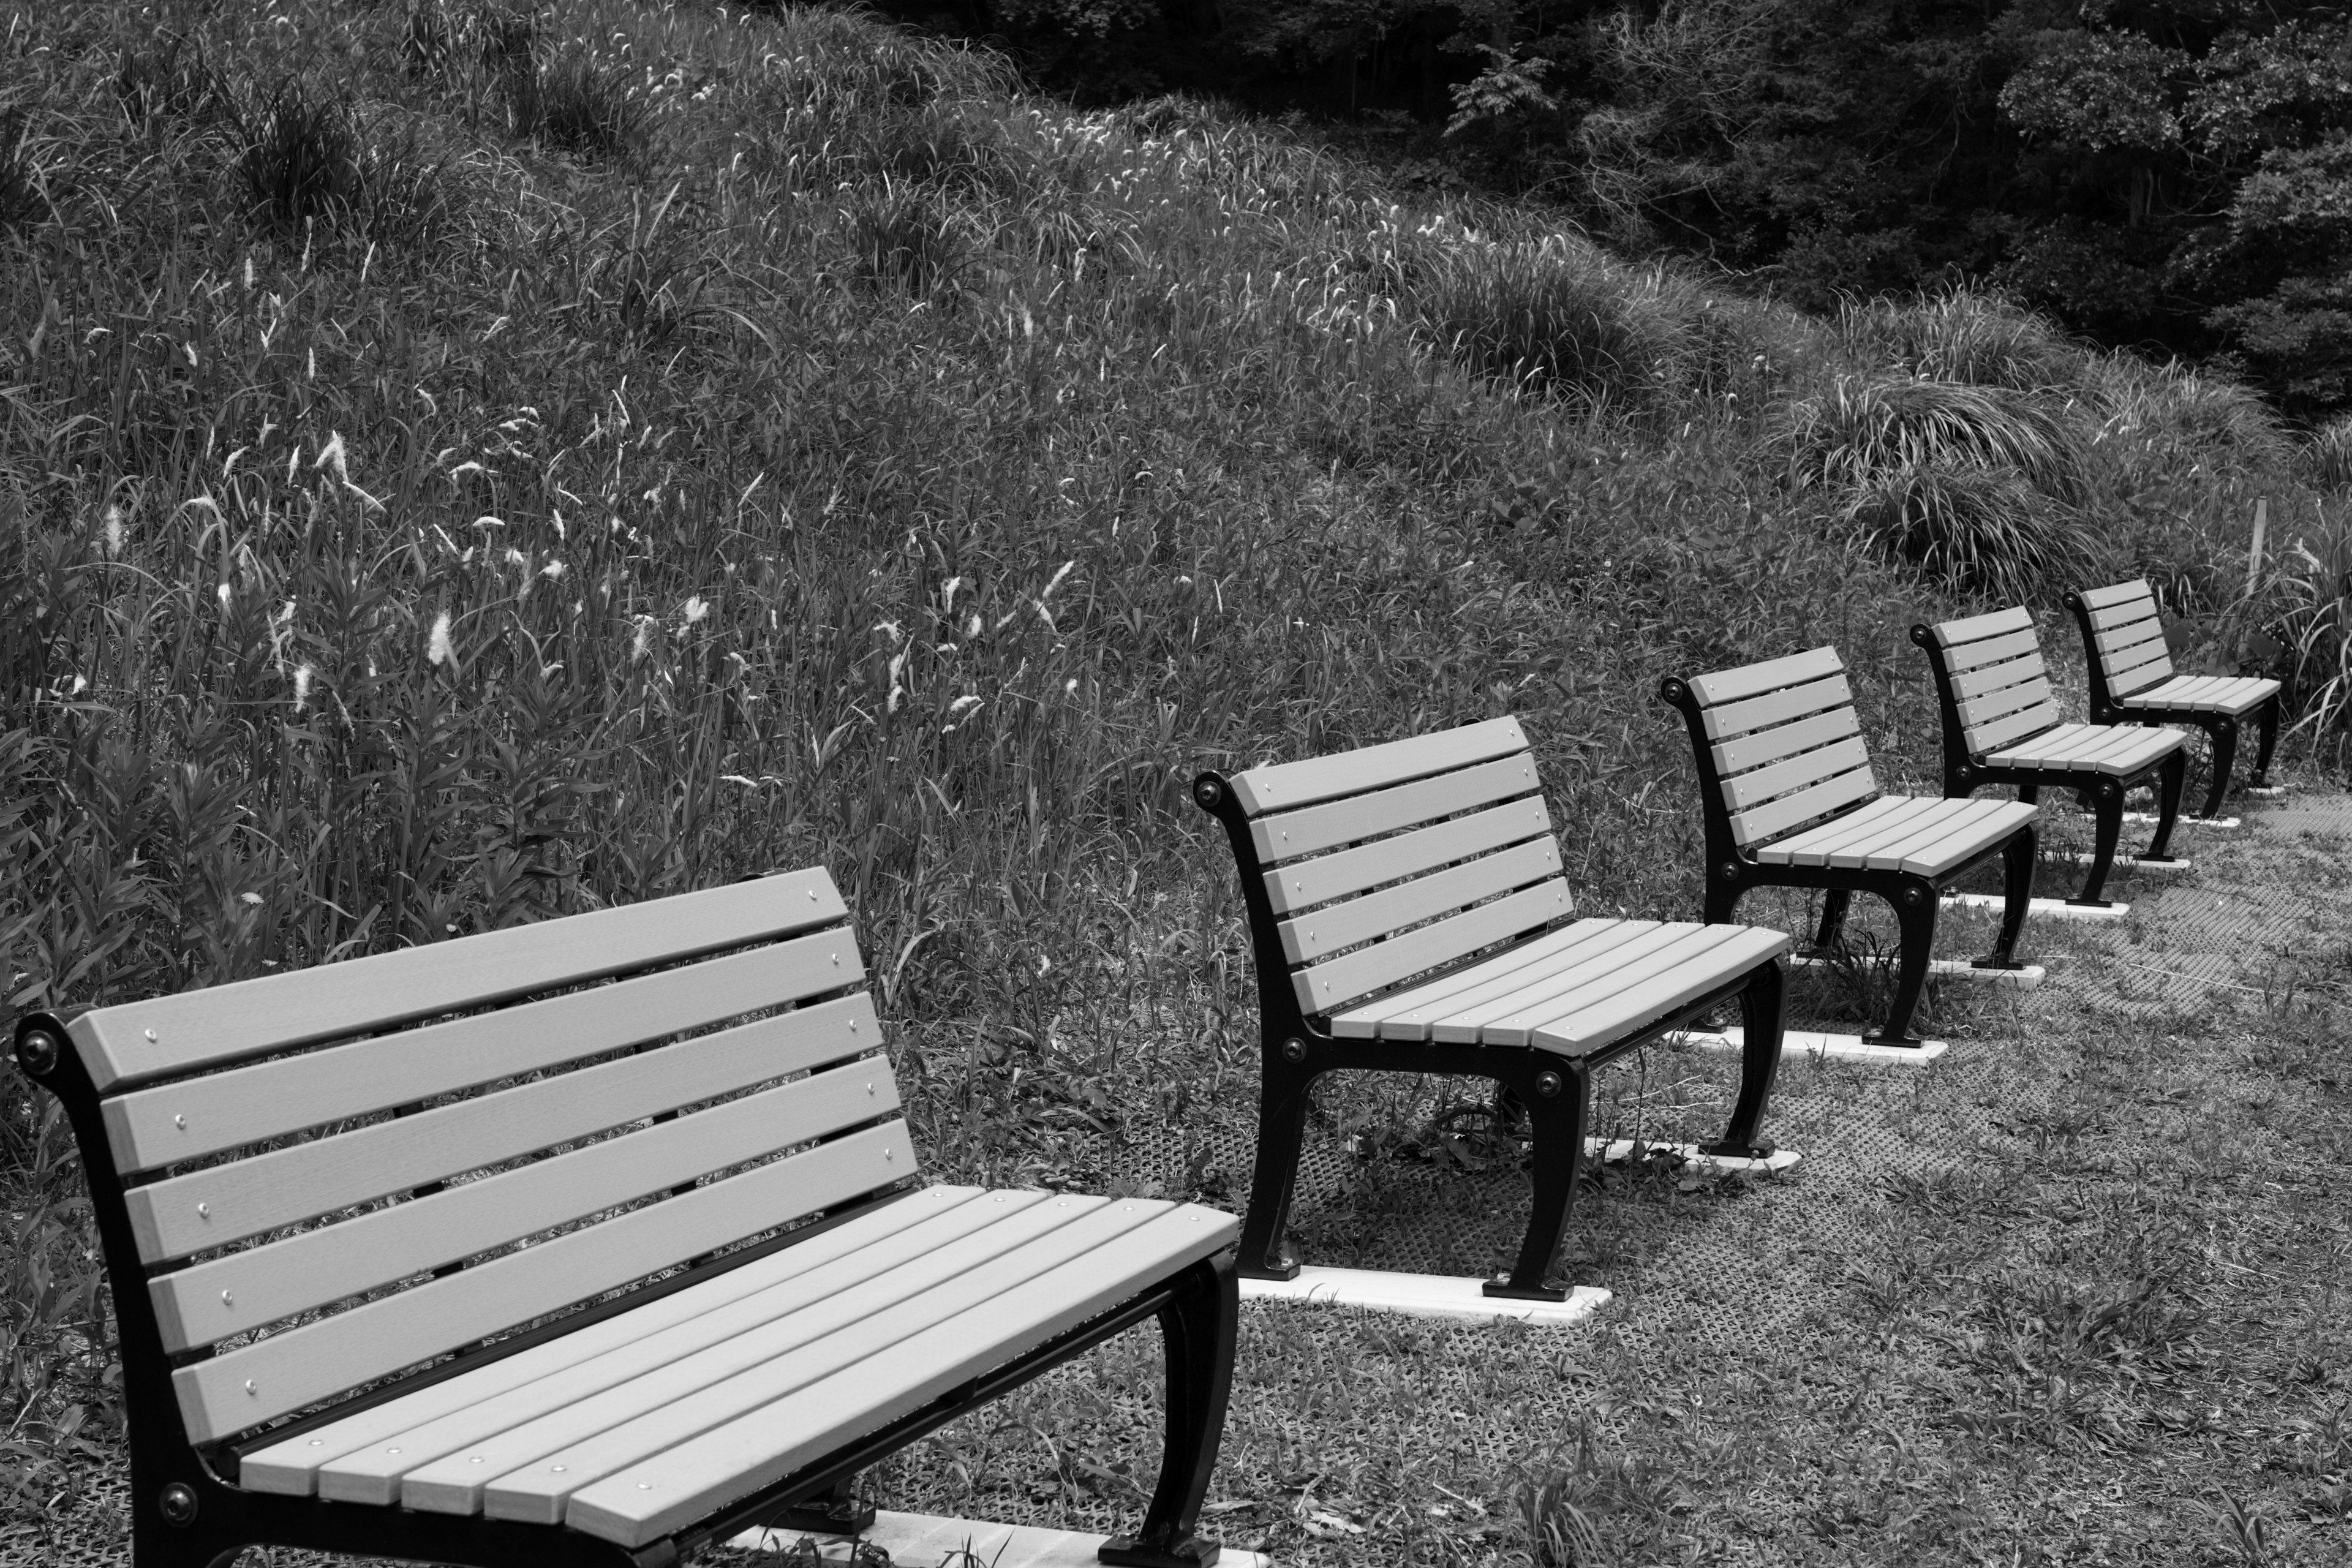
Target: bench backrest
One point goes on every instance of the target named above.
(1377, 865)
(1778, 745)
(2125, 634)
(1991, 680)
(340, 1173)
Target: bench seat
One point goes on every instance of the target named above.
(1894, 833)
(663, 1414)
(2132, 681)
(2117, 751)
(2236, 695)
(1581, 988)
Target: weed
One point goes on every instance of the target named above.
(300, 163)
(2327, 456)
(580, 102)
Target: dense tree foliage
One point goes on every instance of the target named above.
(2173, 173)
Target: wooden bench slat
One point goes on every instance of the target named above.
(1759, 747)
(2122, 742)
(218, 1205)
(207, 1302)
(1602, 1024)
(2125, 684)
(662, 1494)
(1331, 985)
(2132, 612)
(2057, 742)
(1304, 884)
(1851, 848)
(1471, 1020)
(2126, 643)
(535, 1491)
(1976, 628)
(1863, 819)
(344, 1461)
(2032, 693)
(1948, 838)
(1285, 785)
(189, 1119)
(239, 1389)
(1977, 682)
(2115, 594)
(193, 1030)
(1285, 835)
(1334, 927)
(1733, 719)
(1992, 652)
(1668, 947)
(676, 1371)
(1999, 733)
(1406, 1014)
(1762, 822)
(1744, 790)
(1725, 686)
(2211, 694)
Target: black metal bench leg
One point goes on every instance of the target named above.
(2264, 744)
(2169, 779)
(2107, 803)
(1557, 1099)
(1761, 1013)
(1266, 1249)
(1832, 930)
(1199, 1327)
(2017, 867)
(2224, 733)
(1914, 918)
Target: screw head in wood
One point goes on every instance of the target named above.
(177, 1504)
(37, 1051)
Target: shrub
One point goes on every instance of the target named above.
(1981, 530)
(1552, 318)
(1981, 340)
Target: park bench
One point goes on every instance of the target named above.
(2002, 726)
(1788, 799)
(1407, 914)
(586, 1242)
(2131, 682)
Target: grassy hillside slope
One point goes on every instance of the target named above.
(458, 466)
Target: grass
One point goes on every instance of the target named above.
(803, 449)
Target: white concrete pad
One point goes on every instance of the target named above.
(920, 1540)
(2149, 819)
(2047, 909)
(1831, 1047)
(1420, 1296)
(2024, 979)
(2268, 791)
(2131, 862)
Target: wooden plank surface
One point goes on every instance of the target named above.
(247, 1290)
(1407, 1014)
(1332, 985)
(1957, 821)
(1977, 682)
(1863, 819)
(1285, 785)
(2124, 614)
(2122, 642)
(193, 1030)
(1736, 719)
(2214, 694)
(1762, 822)
(1512, 1018)
(1302, 884)
(1470, 1019)
(657, 1496)
(692, 1365)
(1749, 679)
(2033, 693)
(1597, 1025)
(1992, 652)
(1999, 733)
(1073, 1229)
(1333, 927)
(1759, 747)
(218, 1205)
(343, 1460)
(2154, 669)
(1743, 791)
(239, 1389)
(189, 1119)
(1976, 628)
(1287, 835)
(2114, 594)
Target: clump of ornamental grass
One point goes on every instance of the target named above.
(902, 237)
(579, 101)
(300, 164)
(1553, 318)
(1956, 334)
(167, 83)
(1977, 486)
(2327, 458)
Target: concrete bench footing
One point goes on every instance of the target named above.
(2043, 908)
(918, 1540)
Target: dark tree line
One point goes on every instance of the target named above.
(2176, 174)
